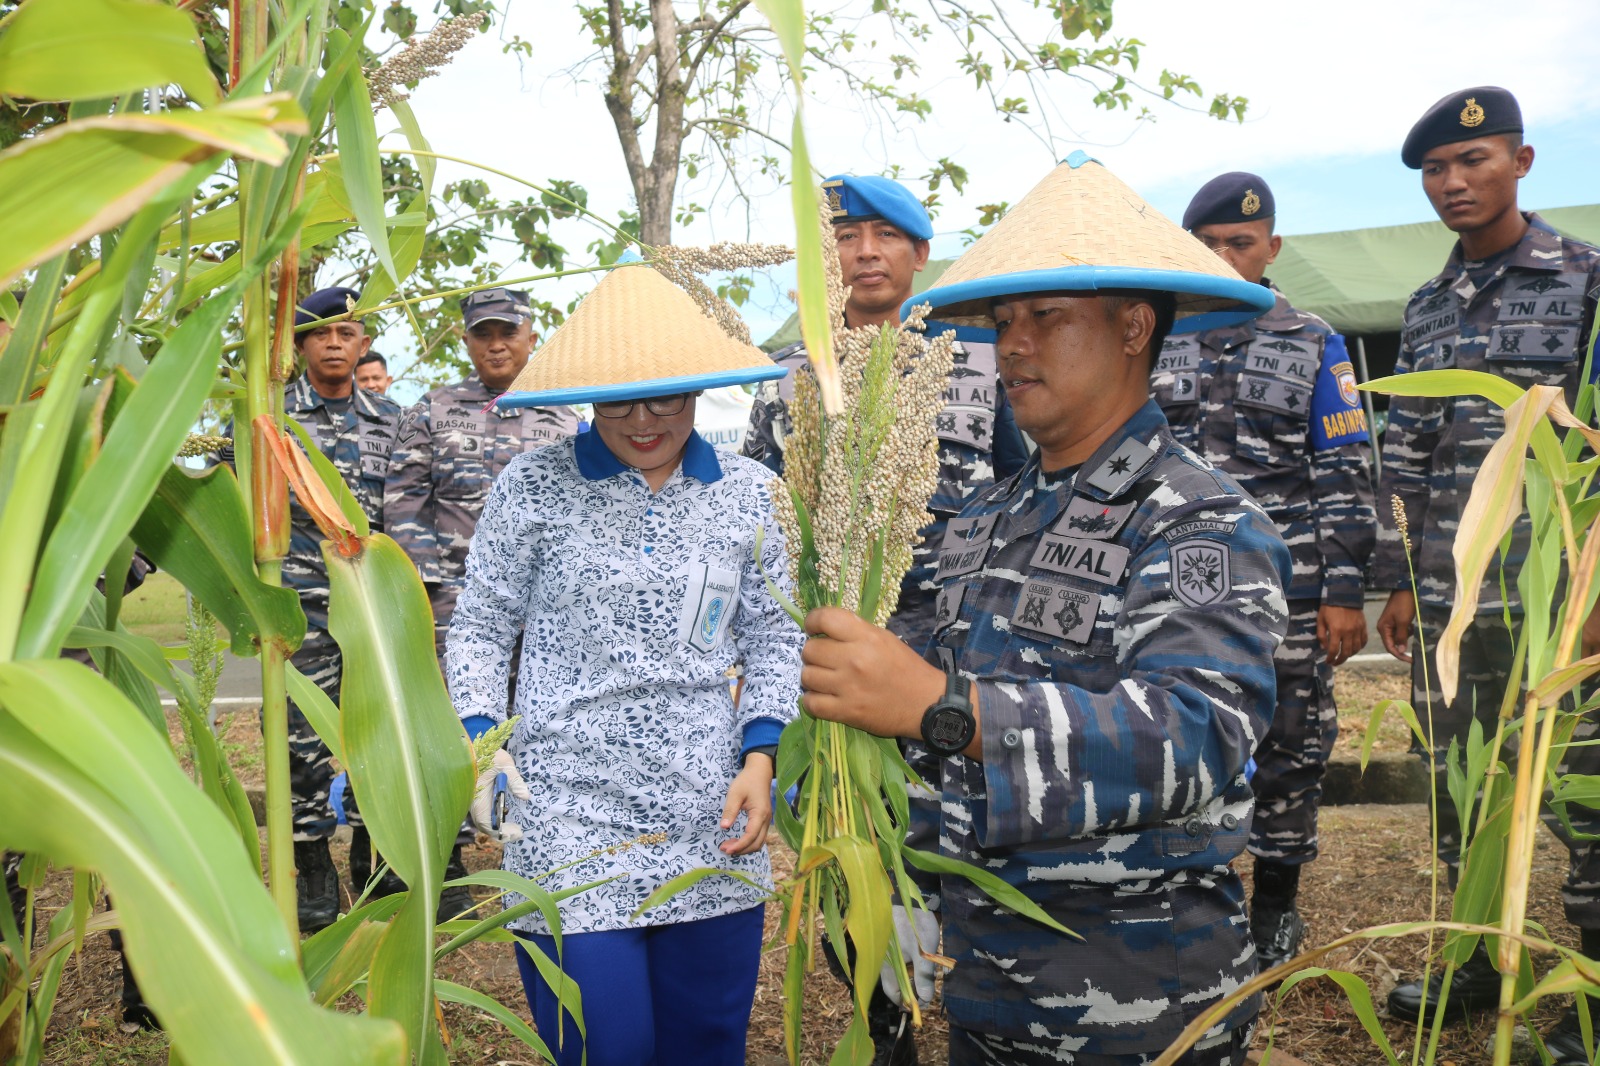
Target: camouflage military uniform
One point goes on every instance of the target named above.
(450, 450)
(1523, 315)
(358, 442)
(1273, 402)
(978, 442)
(1119, 621)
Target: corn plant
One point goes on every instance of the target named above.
(106, 366)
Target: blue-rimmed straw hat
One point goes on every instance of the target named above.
(637, 335)
(1082, 230)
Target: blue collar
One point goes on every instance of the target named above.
(596, 462)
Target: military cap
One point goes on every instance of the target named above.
(1462, 116)
(1236, 196)
(325, 303)
(496, 305)
(862, 199)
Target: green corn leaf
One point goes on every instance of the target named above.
(568, 994)
(86, 176)
(85, 49)
(794, 980)
(138, 451)
(207, 947)
(319, 710)
(351, 965)
(319, 951)
(360, 162)
(1000, 891)
(215, 276)
(410, 235)
(409, 760)
(872, 583)
(1360, 997)
(868, 918)
(332, 480)
(20, 357)
(451, 992)
(789, 606)
(196, 529)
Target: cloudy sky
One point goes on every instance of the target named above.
(1333, 89)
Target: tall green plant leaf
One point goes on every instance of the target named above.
(86, 49)
(205, 943)
(86, 176)
(138, 451)
(197, 529)
(409, 759)
(360, 162)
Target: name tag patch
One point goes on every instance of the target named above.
(1274, 394)
(1438, 315)
(708, 605)
(1282, 357)
(948, 605)
(1080, 558)
(1179, 354)
(1056, 610)
(1532, 343)
(377, 443)
(1201, 572)
(1085, 517)
(1196, 526)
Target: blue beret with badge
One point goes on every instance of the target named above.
(863, 199)
(325, 303)
(1464, 116)
(1237, 196)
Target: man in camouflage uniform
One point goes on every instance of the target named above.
(1515, 300)
(452, 445)
(883, 232)
(355, 429)
(1112, 611)
(1273, 402)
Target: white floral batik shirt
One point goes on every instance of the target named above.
(633, 606)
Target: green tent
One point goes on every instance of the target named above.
(1356, 279)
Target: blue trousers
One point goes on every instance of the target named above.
(666, 995)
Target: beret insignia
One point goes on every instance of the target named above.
(1472, 114)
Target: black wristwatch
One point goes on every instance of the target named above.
(948, 726)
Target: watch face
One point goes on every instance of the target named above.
(948, 730)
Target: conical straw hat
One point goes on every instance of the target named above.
(635, 336)
(1083, 229)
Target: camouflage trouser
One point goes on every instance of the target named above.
(968, 1048)
(1487, 649)
(1294, 753)
(311, 767)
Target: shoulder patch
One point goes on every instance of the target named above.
(1201, 572)
(1122, 467)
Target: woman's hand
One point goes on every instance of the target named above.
(751, 792)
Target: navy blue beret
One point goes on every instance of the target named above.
(1463, 116)
(325, 303)
(861, 199)
(1236, 196)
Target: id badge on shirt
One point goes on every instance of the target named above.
(708, 605)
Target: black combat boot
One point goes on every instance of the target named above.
(1275, 922)
(1565, 1041)
(317, 887)
(1474, 987)
(135, 1011)
(455, 898)
(361, 868)
(893, 1041)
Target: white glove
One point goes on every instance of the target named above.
(917, 931)
(483, 800)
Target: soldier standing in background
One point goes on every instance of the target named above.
(372, 373)
(1273, 402)
(1516, 300)
(355, 429)
(882, 232)
(452, 445)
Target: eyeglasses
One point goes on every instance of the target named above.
(661, 405)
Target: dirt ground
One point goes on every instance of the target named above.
(1374, 869)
